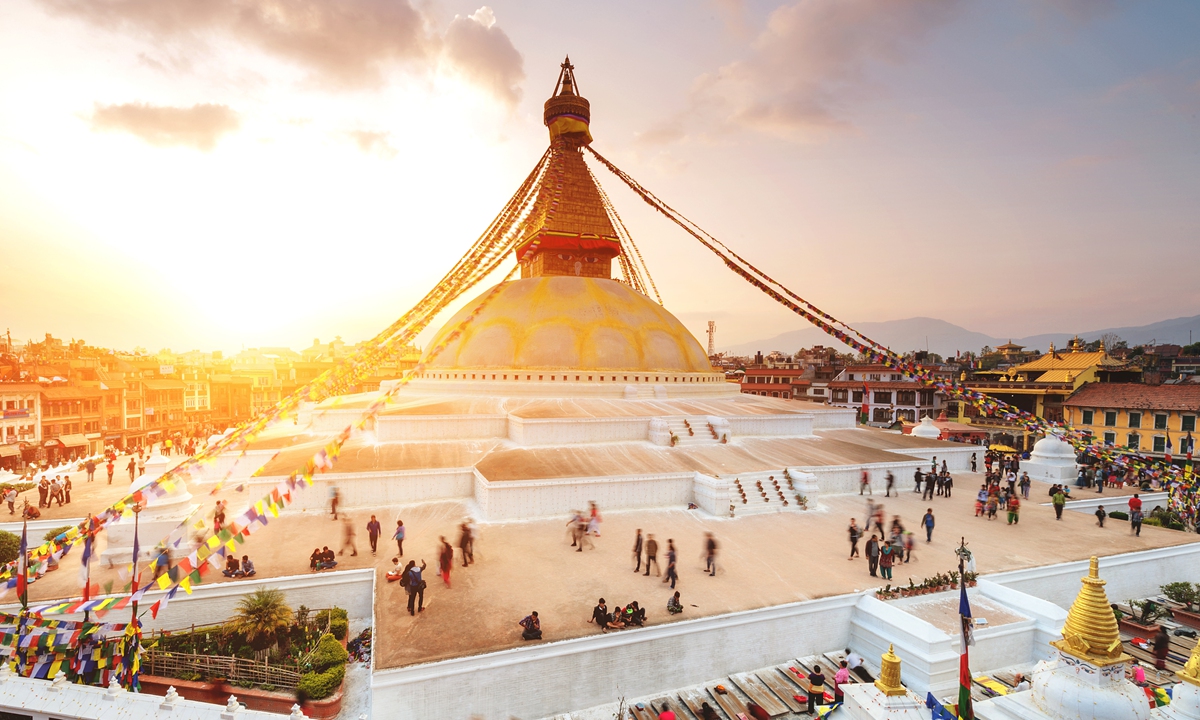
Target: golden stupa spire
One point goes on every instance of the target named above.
(1090, 632)
(889, 674)
(1191, 671)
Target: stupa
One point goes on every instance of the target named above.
(1185, 697)
(160, 517)
(886, 699)
(572, 385)
(1052, 460)
(1086, 680)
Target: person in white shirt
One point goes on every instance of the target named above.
(854, 663)
(1021, 683)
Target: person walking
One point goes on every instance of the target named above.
(67, 489)
(10, 497)
(398, 536)
(1162, 646)
(132, 468)
(927, 523)
(672, 576)
(373, 532)
(917, 477)
(1025, 484)
(348, 536)
(710, 555)
(141, 466)
(873, 555)
(1135, 521)
(855, 534)
(931, 484)
(891, 483)
(886, 558)
(637, 552)
(445, 560)
(334, 497)
(816, 688)
(974, 467)
(465, 539)
(1060, 500)
(415, 587)
(1100, 515)
(652, 555)
(109, 466)
(90, 466)
(865, 484)
(1014, 510)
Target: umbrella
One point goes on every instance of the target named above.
(1002, 448)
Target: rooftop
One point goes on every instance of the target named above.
(1136, 396)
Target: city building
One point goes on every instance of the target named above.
(885, 394)
(1139, 416)
(71, 421)
(20, 423)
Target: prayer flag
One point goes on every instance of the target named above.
(965, 711)
(22, 565)
(1168, 448)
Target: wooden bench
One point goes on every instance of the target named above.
(693, 698)
(731, 704)
(784, 690)
(760, 693)
(642, 713)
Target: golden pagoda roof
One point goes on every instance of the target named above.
(1069, 361)
(1091, 632)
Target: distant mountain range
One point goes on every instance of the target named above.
(945, 338)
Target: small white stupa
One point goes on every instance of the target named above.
(887, 699)
(1052, 460)
(1086, 679)
(926, 429)
(1185, 697)
(158, 521)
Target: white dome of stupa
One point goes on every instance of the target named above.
(1053, 446)
(926, 429)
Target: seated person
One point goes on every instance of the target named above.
(533, 627)
(616, 621)
(327, 559)
(247, 567)
(635, 615)
(232, 568)
(600, 615)
(394, 574)
(31, 513)
(314, 560)
(707, 712)
(673, 605)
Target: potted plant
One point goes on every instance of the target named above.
(1144, 619)
(1187, 595)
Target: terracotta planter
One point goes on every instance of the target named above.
(1186, 617)
(1137, 629)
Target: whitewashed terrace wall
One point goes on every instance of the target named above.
(1128, 576)
(333, 420)
(559, 389)
(956, 455)
(834, 418)
(713, 495)
(842, 479)
(352, 590)
(519, 499)
(569, 431)
(585, 672)
(209, 473)
(795, 425)
(374, 489)
(440, 427)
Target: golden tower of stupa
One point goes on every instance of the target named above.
(1091, 632)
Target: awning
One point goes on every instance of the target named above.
(73, 440)
(9, 451)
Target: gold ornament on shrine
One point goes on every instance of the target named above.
(1091, 632)
(889, 675)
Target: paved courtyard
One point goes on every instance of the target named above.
(763, 560)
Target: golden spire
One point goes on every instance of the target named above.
(567, 113)
(1191, 671)
(1090, 632)
(889, 674)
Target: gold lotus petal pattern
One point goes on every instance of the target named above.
(573, 323)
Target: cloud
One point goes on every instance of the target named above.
(199, 126)
(483, 53)
(344, 44)
(374, 143)
(810, 60)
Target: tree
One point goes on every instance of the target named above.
(1113, 341)
(261, 617)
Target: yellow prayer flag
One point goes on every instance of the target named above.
(232, 546)
(164, 581)
(274, 509)
(213, 542)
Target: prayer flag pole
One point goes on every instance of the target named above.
(965, 711)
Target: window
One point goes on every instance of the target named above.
(1160, 421)
(1135, 421)
(1187, 423)
(1089, 417)
(1110, 418)
(857, 396)
(1160, 444)
(1110, 438)
(881, 415)
(884, 397)
(840, 395)
(908, 415)
(850, 377)
(1134, 441)
(875, 377)
(818, 391)
(906, 397)
(926, 397)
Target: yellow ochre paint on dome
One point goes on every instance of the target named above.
(571, 323)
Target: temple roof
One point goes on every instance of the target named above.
(1069, 361)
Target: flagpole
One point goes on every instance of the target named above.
(965, 711)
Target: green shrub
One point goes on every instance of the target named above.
(320, 685)
(337, 620)
(1152, 521)
(9, 544)
(339, 627)
(1118, 515)
(1176, 526)
(329, 653)
(1184, 593)
(51, 534)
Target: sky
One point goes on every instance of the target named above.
(218, 174)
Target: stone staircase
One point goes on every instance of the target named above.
(691, 430)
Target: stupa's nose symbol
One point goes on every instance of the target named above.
(578, 267)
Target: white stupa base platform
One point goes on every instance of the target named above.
(1067, 688)
(1185, 704)
(867, 702)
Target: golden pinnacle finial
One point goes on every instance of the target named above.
(567, 113)
(889, 674)
(1091, 632)
(1191, 670)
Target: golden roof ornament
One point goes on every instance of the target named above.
(1191, 670)
(889, 675)
(568, 114)
(1091, 632)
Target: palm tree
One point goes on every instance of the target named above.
(260, 618)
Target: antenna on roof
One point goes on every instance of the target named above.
(712, 338)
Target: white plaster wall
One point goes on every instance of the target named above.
(842, 479)
(214, 602)
(570, 431)
(226, 463)
(334, 420)
(517, 499)
(713, 495)
(373, 489)
(795, 425)
(956, 455)
(834, 418)
(585, 672)
(560, 389)
(440, 427)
